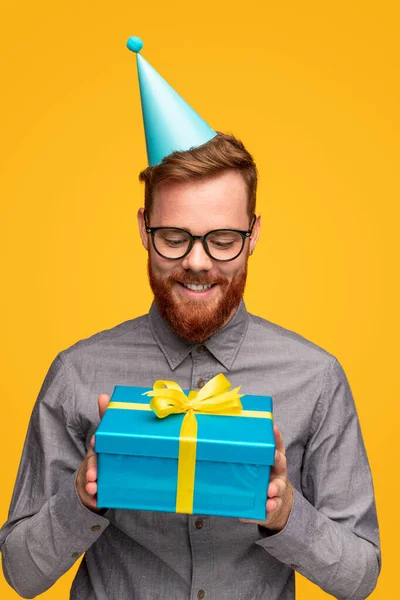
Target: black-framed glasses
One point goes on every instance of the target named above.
(174, 243)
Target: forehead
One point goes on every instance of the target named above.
(199, 206)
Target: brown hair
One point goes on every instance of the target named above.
(222, 153)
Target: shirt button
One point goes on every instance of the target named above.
(198, 523)
(200, 383)
(200, 348)
(96, 528)
(201, 594)
(75, 555)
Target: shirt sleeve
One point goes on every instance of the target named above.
(48, 527)
(331, 536)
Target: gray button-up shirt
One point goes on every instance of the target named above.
(331, 536)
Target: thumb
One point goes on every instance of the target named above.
(103, 401)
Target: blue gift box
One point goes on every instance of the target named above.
(138, 458)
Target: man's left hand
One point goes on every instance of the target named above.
(280, 491)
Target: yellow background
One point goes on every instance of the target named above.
(312, 89)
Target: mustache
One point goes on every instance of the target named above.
(196, 278)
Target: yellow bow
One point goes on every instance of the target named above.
(215, 397)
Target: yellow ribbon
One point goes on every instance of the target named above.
(214, 398)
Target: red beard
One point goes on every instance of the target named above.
(196, 320)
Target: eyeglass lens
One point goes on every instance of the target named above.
(221, 244)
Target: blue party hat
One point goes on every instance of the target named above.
(170, 124)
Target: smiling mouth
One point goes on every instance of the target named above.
(197, 287)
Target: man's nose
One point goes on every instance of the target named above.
(197, 260)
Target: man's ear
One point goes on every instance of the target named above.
(142, 229)
(255, 234)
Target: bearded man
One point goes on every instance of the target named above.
(199, 228)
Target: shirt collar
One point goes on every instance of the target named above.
(223, 345)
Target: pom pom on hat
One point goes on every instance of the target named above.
(134, 43)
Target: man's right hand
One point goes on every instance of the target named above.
(86, 478)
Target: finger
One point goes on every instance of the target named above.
(277, 487)
(91, 471)
(280, 467)
(273, 504)
(103, 401)
(273, 489)
(278, 440)
(91, 488)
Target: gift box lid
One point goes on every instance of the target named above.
(236, 439)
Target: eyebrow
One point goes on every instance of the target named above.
(208, 230)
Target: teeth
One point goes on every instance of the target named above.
(196, 287)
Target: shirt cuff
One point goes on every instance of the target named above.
(293, 541)
(83, 525)
(74, 526)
